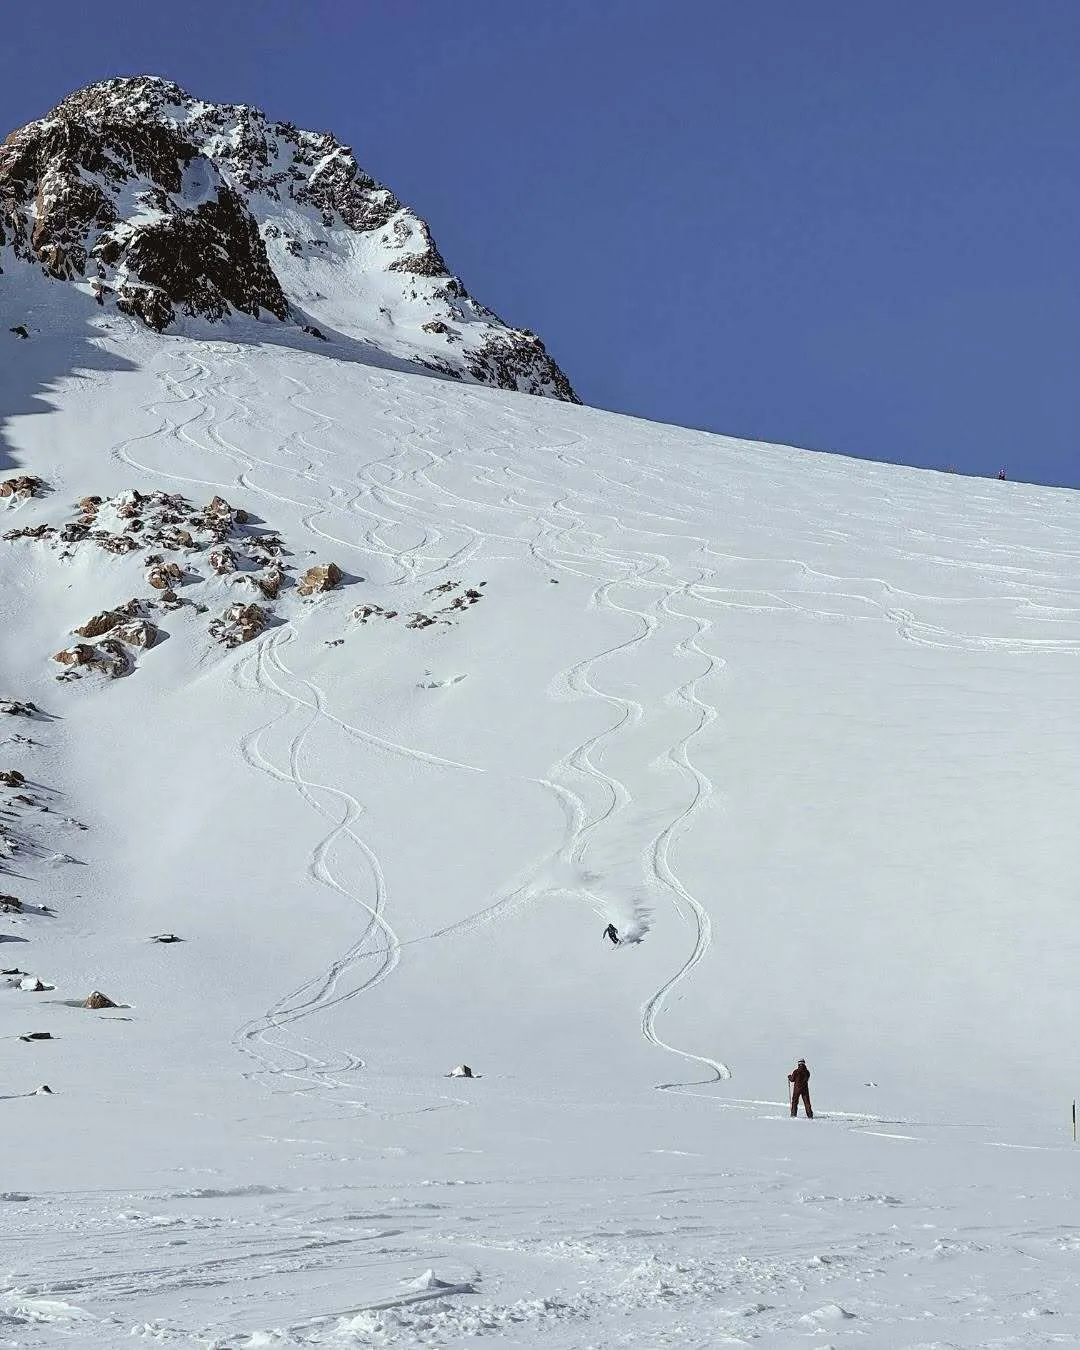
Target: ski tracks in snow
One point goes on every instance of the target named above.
(377, 950)
(648, 576)
(395, 499)
(660, 853)
(565, 540)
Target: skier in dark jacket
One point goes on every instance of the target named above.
(799, 1078)
(613, 933)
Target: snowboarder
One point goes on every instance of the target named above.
(799, 1078)
(1001, 475)
(613, 933)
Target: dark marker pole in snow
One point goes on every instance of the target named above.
(1074, 1122)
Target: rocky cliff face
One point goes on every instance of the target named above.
(168, 207)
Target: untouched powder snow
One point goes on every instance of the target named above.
(804, 729)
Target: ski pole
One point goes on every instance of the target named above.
(1074, 1122)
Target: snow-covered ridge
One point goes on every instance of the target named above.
(166, 206)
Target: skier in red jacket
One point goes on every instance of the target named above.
(799, 1078)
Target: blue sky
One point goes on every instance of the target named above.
(850, 226)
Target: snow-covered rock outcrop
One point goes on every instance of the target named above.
(166, 206)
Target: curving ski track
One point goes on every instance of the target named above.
(377, 943)
(396, 499)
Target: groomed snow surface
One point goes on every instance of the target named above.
(805, 728)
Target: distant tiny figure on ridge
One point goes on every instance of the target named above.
(1001, 475)
(799, 1078)
(613, 933)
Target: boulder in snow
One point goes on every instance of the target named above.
(118, 543)
(82, 654)
(269, 581)
(30, 532)
(238, 624)
(219, 512)
(21, 487)
(99, 624)
(322, 577)
(163, 576)
(113, 659)
(14, 707)
(138, 633)
(222, 560)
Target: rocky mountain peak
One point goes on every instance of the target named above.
(171, 208)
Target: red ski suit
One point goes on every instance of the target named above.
(799, 1078)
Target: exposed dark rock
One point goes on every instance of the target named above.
(270, 581)
(171, 207)
(113, 658)
(14, 707)
(268, 544)
(163, 576)
(365, 612)
(197, 251)
(30, 532)
(119, 543)
(22, 487)
(238, 624)
(139, 633)
(222, 560)
(507, 360)
(99, 624)
(427, 263)
(217, 511)
(82, 654)
(323, 577)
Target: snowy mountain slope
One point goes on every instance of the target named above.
(167, 207)
(806, 727)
